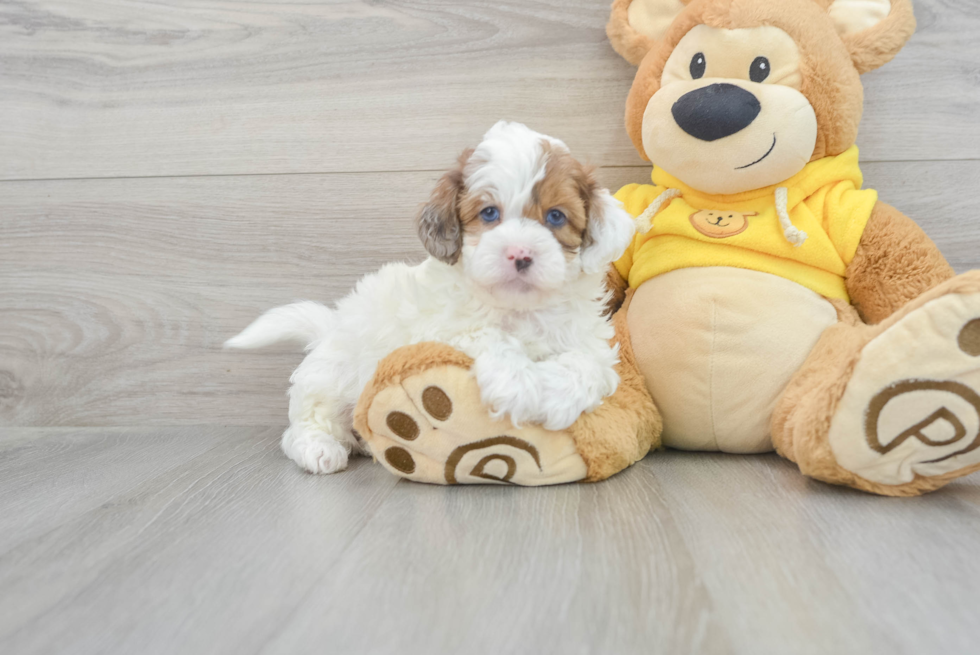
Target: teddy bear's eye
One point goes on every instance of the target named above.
(698, 64)
(759, 70)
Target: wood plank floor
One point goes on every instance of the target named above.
(169, 169)
(206, 540)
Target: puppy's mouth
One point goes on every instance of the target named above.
(516, 285)
(769, 152)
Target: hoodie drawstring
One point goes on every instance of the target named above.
(644, 222)
(793, 234)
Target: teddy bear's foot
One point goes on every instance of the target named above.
(911, 409)
(423, 420)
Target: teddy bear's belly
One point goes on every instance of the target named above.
(717, 346)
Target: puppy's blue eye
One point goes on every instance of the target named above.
(490, 214)
(556, 218)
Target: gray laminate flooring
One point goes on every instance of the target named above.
(206, 540)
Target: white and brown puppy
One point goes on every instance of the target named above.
(521, 237)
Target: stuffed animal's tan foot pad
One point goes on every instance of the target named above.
(432, 427)
(912, 406)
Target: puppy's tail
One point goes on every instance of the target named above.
(303, 322)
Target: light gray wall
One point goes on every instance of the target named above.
(167, 174)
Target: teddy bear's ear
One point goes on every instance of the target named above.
(873, 30)
(636, 25)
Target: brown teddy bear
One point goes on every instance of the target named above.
(767, 301)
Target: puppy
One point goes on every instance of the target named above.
(520, 238)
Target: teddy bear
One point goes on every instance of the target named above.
(768, 300)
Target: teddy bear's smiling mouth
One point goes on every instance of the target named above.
(769, 152)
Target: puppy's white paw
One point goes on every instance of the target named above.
(560, 418)
(513, 403)
(572, 388)
(565, 402)
(320, 454)
(324, 457)
(508, 391)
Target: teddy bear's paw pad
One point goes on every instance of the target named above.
(433, 428)
(913, 403)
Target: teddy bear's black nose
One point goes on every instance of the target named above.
(716, 111)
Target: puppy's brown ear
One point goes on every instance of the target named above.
(635, 26)
(873, 30)
(609, 229)
(438, 223)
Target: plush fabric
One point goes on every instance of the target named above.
(627, 425)
(926, 423)
(825, 201)
(895, 263)
(633, 41)
(832, 87)
(716, 346)
(887, 400)
(802, 419)
(878, 45)
(707, 91)
(617, 287)
(423, 420)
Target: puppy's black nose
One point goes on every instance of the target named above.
(716, 111)
(523, 263)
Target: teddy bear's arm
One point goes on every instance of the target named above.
(894, 263)
(617, 287)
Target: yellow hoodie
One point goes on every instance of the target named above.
(824, 200)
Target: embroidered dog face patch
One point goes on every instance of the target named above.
(720, 224)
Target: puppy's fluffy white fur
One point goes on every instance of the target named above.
(537, 333)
